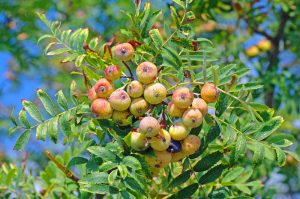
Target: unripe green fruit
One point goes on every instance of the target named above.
(178, 156)
(123, 52)
(174, 111)
(192, 118)
(162, 141)
(138, 141)
(149, 126)
(155, 93)
(160, 160)
(179, 131)
(103, 88)
(190, 144)
(182, 97)
(139, 107)
(146, 72)
(119, 100)
(135, 89)
(122, 118)
(209, 93)
(112, 72)
(200, 104)
(102, 108)
(92, 95)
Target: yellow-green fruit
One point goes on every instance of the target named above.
(200, 104)
(178, 156)
(182, 97)
(138, 141)
(135, 89)
(252, 51)
(119, 100)
(190, 144)
(162, 141)
(264, 45)
(179, 131)
(139, 106)
(160, 160)
(123, 52)
(146, 72)
(122, 118)
(174, 111)
(102, 108)
(103, 88)
(192, 118)
(149, 126)
(209, 93)
(155, 93)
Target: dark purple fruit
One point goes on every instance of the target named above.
(175, 146)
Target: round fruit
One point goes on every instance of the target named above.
(174, 111)
(139, 107)
(122, 118)
(103, 88)
(112, 72)
(200, 104)
(149, 126)
(178, 156)
(155, 93)
(138, 141)
(92, 95)
(102, 108)
(162, 141)
(119, 100)
(124, 51)
(252, 51)
(191, 144)
(135, 89)
(192, 118)
(209, 93)
(146, 72)
(175, 146)
(182, 97)
(179, 131)
(160, 160)
(264, 45)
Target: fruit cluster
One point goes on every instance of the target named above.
(137, 98)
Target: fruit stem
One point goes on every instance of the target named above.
(185, 83)
(85, 81)
(204, 67)
(128, 68)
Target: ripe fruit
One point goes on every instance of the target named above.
(192, 118)
(179, 131)
(138, 141)
(102, 108)
(191, 144)
(182, 97)
(252, 51)
(138, 107)
(112, 72)
(146, 72)
(175, 146)
(124, 51)
(122, 118)
(209, 93)
(155, 93)
(162, 141)
(160, 160)
(135, 89)
(92, 95)
(174, 111)
(103, 88)
(200, 104)
(178, 156)
(264, 45)
(149, 126)
(119, 100)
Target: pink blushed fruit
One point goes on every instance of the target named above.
(149, 126)
(182, 97)
(135, 89)
(200, 104)
(146, 72)
(155, 93)
(119, 100)
(92, 95)
(192, 118)
(174, 111)
(139, 106)
(112, 72)
(209, 93)
(103, 88)
(190, 144)
(102, 108)
(123, 52)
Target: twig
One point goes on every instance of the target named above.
(85, 81)
(128, 68)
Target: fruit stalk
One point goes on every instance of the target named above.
(128, 68)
